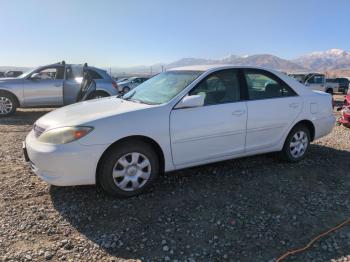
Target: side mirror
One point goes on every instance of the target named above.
(191, 101)
(35, 76)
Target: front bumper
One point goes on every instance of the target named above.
(63, 165)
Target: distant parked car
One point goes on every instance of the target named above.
(2, 74)
(13, 73)
(130, 83)
(331, 85)
(52, 85)
(122, 79)
(180, 118)
(343, 84)
(316, 81)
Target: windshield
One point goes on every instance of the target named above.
(25, 74)
(162, 87)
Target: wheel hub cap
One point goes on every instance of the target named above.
(131, 171)
(298, 144)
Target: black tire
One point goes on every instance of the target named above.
(105, 177)
(97, 94)
(8, 98)
(286, 153)
(329, 91)
(126, 89)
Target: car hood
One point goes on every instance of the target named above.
(88, 111)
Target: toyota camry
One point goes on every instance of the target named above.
(177, 119)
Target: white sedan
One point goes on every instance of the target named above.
(180, 118)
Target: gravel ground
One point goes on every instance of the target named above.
(250, 209)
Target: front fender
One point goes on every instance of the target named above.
(18, 94)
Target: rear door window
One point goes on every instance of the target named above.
(263, 85)
(94, 74)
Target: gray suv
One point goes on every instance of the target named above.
(53, 85)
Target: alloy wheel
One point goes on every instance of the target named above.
(6, 105)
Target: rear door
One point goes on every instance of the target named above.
(272, 108)
(46, 88)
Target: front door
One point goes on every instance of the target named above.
(216, 129)
(44, 87)
(72, 84)
(272, 108)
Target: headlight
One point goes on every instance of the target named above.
(64, 135)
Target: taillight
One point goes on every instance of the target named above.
(114, 84)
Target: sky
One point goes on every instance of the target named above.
(135, 32)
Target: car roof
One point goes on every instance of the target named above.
(298, 87)
(205, 68)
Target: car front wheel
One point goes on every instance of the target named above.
(297, 144)
(7, 104)
(128, 169)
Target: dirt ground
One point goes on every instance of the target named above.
(249, 209)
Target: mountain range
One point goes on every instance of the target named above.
(332, 61)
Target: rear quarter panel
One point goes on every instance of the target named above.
(106, 86)
(318, 109)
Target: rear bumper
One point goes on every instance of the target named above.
(63, 165)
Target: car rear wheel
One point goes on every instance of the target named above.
(128, 169)
(8, 104)
(297, 144)
(126, 89)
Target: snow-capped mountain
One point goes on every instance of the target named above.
(325, 60)
(316, 61)
(268, 61)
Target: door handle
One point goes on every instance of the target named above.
(293, 105)
(238, 112)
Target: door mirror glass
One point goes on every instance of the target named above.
(191, 101)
